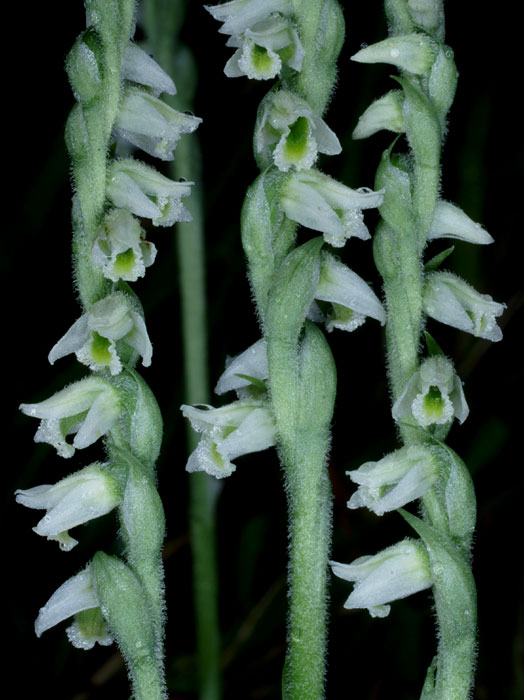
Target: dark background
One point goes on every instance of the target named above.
(368, 659)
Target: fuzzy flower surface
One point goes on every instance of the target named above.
(94, 335)
(392, 574)
(228, 432)
(87, 409)
(83, 496)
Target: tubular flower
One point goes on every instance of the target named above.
(228, 432)
(87, 408)
(392, 574)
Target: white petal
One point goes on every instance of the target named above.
(451, 222)
(139, 67)
(72, 341)
(252, 363)
(103, 412)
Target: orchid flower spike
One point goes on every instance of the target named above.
(396, 479)
(321, 203)
(392, 574)
(94, 335)
(76, 595)
(146, 192)
(452, 301)
(83, 496)
(433, 395)
(120, 248)
(350, 297)
(87, 408)
(228, 432)
(243, 369)
(298, 134)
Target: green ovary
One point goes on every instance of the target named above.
(100, 351)
(124, 263)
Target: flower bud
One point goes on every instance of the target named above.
(451, 222)
(428, 14)
(82, 66)
(242, 369)
(414, 53)
(384, 113)
(452, 301)
(139, 67)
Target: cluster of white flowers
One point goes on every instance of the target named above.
(111, 334)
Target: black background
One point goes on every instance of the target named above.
(482, 172)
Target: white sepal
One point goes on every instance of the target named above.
(120, 248)
(93, 336)
(384, 113)
(351, 297)
(433, 395)
(452, 301)
(239, 15)
(392, 574)
(414, 53)
(76, 594)
(139, 67)
(146, 192)
(321, 203)
(251, 363)
(393, 481)
(152, 125)
(227, 433)
(83, 496)
(88, 408)
(451, 222)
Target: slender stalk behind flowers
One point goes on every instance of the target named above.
(286, 381)
(427, 394)
(116, 86)
(162, 21)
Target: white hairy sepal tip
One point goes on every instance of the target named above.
(393, 481)
(451, 222)
(414, 53)
(250, 363)
(319, 202)
(120, 248)
(227, 433)
(344, 288)
(452, 301)
(392, 574)
(75, 595)
(384, 113)
(139, 67)
(87, 408)
(299, 133)
(433, 395)
(239, 15)
(146, 192)
(152, 125)
(93, 336)
(83, 496)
